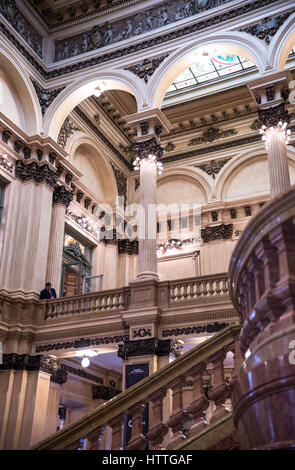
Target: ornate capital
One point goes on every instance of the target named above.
(39, 174)
(62, 196)
(270, 117)
(33, 364)
(217, 232)
(145, 347)
(148, 147)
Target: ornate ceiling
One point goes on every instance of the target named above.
(61, 12)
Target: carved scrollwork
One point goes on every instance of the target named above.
(217, 232)
(268, 27)
(39, 174)
(211, 134)
(147, 67)
(213, 168)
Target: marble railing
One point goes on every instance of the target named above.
(191, 368)
(262, 289)
(197, 289)
(113, 300)
(205, 287)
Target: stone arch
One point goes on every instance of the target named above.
(81, 89)
(282, 43)
(103, 171)
(246, 160)
(237, 43)
(19, 101)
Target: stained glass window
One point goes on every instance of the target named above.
(209, 69)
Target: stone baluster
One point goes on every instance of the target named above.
(137, 441)
(158, 429)
(217, 392)
(199, 403)
(116, 425)
(178, 415)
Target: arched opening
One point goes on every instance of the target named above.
(77, 92)
(18, 100)
(206, 63)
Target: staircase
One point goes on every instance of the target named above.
(204, 423)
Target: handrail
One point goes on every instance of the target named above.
(140, 392)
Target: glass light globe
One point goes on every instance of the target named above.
(85, 362)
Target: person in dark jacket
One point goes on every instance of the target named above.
(48, 292)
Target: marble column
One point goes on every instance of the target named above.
(270, 93)
(61, 200)
(147, 262)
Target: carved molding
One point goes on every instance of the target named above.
(82, 343)
(146, 67)
(211, 134)
(62, 196)
(39, 174)
(189, 330)
(268, 27)
(213, 168)
(81, 373)
(141, 333)
(101, 392)
(121, 182)
(217, 232)
(68, 128)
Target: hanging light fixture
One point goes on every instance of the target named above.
(85, 362)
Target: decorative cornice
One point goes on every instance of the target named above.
(199, 26)
(82, 343)
(67, 129)
(272, 116)
(81, 373)
(212, 149)
(144, 347)
(39, 174)
(217, 232)
(46, 96)
(268, 27)
(148, 147)
(62, 196)
(100, 392)
(190, 330)
(146, 67)
(102, 136)
(211, 134)
(213, 168)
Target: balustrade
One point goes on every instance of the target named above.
(153, 390)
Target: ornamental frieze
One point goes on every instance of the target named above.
(211, 134)
(144, 347)
(199, 26)
(190, 330)
(217, 232)
(82, 343)
(142, 22)
(146, 67)
(17, 20)
(35, 172)
(268, 27)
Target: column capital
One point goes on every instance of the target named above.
(61, 195)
